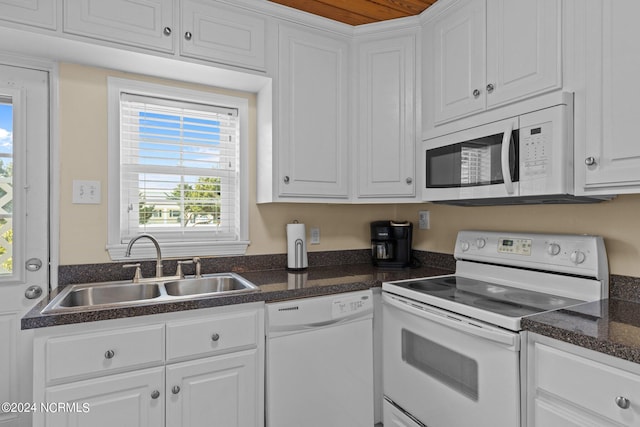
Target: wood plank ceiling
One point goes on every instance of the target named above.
(358, 12)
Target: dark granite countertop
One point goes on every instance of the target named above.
(610, 326)
(275, 285)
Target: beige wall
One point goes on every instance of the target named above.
(83, 228)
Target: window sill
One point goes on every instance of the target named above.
(146, 250)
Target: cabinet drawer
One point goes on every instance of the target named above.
(591, 385)
(103, 352)
(213, 335)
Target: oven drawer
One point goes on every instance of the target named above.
(593, 386)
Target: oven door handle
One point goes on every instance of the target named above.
(504, 158)
(505, 338)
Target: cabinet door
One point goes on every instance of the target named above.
(142, 23)
(134, 399)
(313, 116)
(214, 32)
(222, 388)
(387, 118)
(459, 49)
(40, 13)
(610, 159)
(523, 49)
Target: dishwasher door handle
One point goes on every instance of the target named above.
(308, 326)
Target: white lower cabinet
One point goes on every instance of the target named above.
(116, 400)
(219, 388)
(571, 386)
(189, 369)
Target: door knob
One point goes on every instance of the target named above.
(33, 292)
(590, 161)
(175, 389)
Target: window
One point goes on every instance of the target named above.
(178, 167)
(6, 187)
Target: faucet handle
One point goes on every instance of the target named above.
(138, 274)
(196, 261)
(179, 272)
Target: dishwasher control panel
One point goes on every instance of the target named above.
(351, 304)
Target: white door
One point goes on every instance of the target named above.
(459, 46)
(523, 49)
(24, 136)
(132, 399)
(220, 390)
(387, 118)
(313, 114)
(610, 159)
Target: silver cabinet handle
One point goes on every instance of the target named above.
(33, 292)
(623, 402)
(166, 31)
(109, 354)
(409, 180)
(476, 93)
(188, 35)
(490, 88)
(175, 389)
(590, 161)
(155, 394)
(215, 337)
(286, 179)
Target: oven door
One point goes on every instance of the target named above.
(477, 163)
(447, 370)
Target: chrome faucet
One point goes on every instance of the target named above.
(156, 244)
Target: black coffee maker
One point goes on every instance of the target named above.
(391, 243)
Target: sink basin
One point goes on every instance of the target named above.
(106, 295)
(213, 284)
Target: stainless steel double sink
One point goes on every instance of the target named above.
(127, 294)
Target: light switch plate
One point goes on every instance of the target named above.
(86, 192)
(423, 220)
(315, 236)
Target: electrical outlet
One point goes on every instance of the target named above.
(423, 220)
(315, 236)
(86, 192)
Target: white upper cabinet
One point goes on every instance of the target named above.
(386, 117)
(214, 32)
(312, 114)
(607, 109)
(488, 53)
(143, 23)
(40, 13)
(458, 40)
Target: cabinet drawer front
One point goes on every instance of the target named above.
(591, 385)
(210, 336)
(104, 352)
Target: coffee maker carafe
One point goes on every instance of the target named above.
(391, 243)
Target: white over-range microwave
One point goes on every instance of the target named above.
(522, 159)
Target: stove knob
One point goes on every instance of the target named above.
(577, 257)
(553, 249)
(464, 246)
(480, 243)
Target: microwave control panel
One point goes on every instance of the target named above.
(535, 150)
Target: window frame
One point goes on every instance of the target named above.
(174, 247)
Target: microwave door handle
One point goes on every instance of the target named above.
(504, 157)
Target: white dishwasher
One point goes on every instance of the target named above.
(320, 361)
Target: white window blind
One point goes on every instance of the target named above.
(179, 170)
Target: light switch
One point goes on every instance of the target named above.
(86, 192)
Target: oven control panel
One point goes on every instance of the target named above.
(565, 253)
(514, 246)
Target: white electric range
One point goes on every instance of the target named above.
(452, 343)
